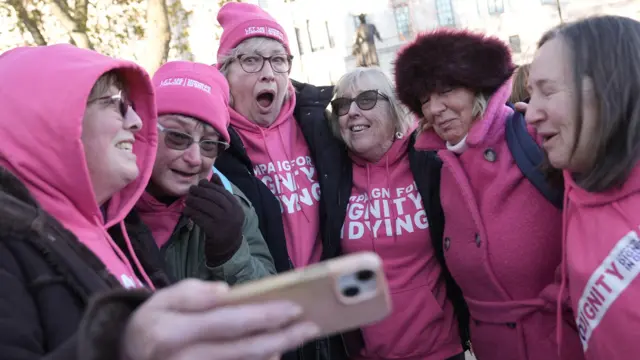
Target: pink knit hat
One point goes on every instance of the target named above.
(196, 90)
(241, 21)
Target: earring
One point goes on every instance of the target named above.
(399, 135)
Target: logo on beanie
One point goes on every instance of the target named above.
(264, 30)
(186, 82)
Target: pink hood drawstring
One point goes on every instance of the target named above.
(42, 146)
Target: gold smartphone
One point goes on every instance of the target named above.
(338, 295)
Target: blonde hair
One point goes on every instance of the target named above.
(519, 91)
(371, 78)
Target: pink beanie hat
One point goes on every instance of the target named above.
(196, 90)
(241, 21)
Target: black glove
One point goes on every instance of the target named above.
(217, 212)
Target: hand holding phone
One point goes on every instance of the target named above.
(338, 295)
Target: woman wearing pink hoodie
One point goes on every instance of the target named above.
(386, 213)
(584, 84)
(502, 237)
(74, 158)
(271, 157)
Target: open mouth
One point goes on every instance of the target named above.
(265, 98)
(125, 146)
(548, 138)
(184, 174)
(359, 128)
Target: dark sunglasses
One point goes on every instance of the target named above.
(366, 100)
(118, 99)
(178, 140)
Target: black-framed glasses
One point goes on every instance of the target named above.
(280, 63)
(178, 140)
(118, 99)
(366, 100)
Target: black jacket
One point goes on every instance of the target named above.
(335, 171)
(311, 102)
(46, 279)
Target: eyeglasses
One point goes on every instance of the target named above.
(118, 99)
(280, 63)
(178, 140)
(366, 100)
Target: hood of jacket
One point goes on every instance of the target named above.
(43, 104)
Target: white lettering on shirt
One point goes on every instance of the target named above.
(606, 283)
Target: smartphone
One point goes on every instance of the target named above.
(338, 295)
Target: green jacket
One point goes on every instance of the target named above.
(184, 252)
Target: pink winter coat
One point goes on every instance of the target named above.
(602, 265)
(502, 244)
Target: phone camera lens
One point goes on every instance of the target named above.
(365, 275)
(351, 291)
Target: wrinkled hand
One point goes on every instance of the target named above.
(217, 212)
(182, 322)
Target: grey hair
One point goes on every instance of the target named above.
(249, 46)
(480, 104)
(598, 54)
(188, 118)
(362, 79)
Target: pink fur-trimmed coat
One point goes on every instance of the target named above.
(502, 244)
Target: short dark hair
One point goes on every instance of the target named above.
(606, 49)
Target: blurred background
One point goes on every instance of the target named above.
(321, 31)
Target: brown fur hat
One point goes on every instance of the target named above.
(450, 58)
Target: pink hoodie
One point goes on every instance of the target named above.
(42, 101)
(386, 215)
(281, 159)
(602, 250)
(502, 244)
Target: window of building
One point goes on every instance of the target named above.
(514, 44)
(332, 42)
(403, 20)
(495, 6)
(316, 34)
(444, 8)
(299, 40)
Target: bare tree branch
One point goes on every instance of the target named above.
(29, 22)
(76, 27)
(81, 13)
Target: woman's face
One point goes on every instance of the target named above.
(175, 171)
(259, 96)
(108, 137)
(552, 108)
(368, 133)
(449, 113)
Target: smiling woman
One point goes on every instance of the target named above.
(109, 127)
(386, 213)
(366, 114)
(584, 102)
(458, 82)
